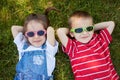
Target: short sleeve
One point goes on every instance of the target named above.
(19, 40)
(52, 50)
(106, 36)
(69, 47)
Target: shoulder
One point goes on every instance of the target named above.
(19, 37)
(105, 36)
(51, 50)
(19, 40)
(49, 45)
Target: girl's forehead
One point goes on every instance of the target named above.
(35, 25)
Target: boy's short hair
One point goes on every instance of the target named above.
(79, 14)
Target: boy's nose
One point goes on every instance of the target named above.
(85, 32)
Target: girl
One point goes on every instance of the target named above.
(37, 47)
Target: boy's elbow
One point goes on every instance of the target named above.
(62, 31)
(59, 30)
(112, 23)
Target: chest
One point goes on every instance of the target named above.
(93, 55)
(36, 56)
(94, 50)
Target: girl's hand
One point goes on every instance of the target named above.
(51, 35)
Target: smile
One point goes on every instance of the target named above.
(37, 41)
(85, 36)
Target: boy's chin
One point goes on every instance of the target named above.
(85, 41)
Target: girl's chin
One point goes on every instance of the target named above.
(37, 45)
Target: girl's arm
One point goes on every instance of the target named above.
(51, 35)
(15, 30)
(62, 35)
(109, 25)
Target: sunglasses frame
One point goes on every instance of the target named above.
(83, 29)
(35, 33)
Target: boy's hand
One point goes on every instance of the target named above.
(109, 25)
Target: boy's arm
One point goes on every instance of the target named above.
(51, 36)
(62, 35)
(109, 25)
(15, 30)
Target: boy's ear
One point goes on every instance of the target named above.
(71, 34)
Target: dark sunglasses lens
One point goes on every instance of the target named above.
(30, 34)
(90, 28)
(79, 30)
(40, 33)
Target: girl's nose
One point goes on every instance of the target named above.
(36, 35)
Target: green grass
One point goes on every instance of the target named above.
(13, 12)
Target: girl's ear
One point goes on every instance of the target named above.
(71, 34)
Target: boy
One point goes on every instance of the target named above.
(88, 52)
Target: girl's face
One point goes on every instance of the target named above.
(84, 36)
(35, 33)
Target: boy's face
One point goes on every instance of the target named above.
(39, 35)
(84, 36)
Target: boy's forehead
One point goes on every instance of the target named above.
(81, 21)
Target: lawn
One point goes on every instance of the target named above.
(13, 12)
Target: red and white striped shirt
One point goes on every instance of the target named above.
(92, 61)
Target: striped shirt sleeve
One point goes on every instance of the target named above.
(69, 48)
(106, 36)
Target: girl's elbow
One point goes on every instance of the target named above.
(13, 28)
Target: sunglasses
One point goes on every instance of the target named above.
(32, 33)
(80, 30)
